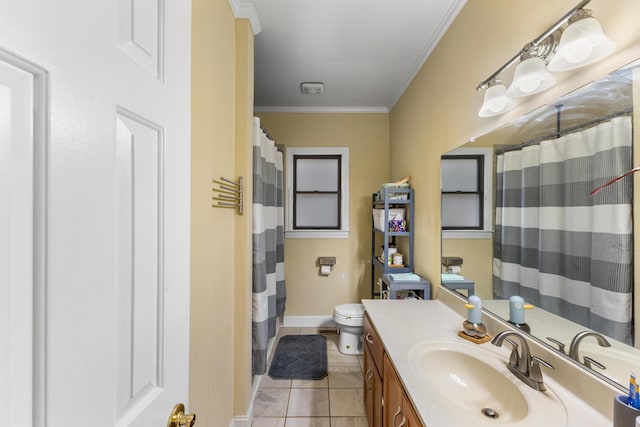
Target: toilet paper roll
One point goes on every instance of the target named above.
(325, 270)
(454, 269)
(637, 421)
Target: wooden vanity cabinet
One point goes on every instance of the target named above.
(385, 401)
(372, 391)
(398, 411)
(373, 371)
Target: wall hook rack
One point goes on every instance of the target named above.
(228, 194)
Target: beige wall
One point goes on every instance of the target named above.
(366, 135)
(477, 259)
(222, 104)
(438, 111)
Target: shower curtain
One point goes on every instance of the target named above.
(555, 246)
(268, 245)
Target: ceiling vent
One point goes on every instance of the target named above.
(312, 88)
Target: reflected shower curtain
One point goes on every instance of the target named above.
(555, 246)
(268, 245)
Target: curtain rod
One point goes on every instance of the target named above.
(560, 133)
(279, 147)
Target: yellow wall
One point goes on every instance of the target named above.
(438, 111)
(222, 105)
(243, 228)
(477, 259)
(366, 135)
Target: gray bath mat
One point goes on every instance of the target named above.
(300, 357)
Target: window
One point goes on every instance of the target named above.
(466, 193)
(317, 192)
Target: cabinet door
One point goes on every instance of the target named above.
(372, 391)
(398, 409)
(392, 396)
(409, 414)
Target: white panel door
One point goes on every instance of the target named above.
(94, 218)
(17, 256)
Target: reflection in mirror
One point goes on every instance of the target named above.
(565, 252)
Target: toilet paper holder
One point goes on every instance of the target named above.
(326, 263)
(326, 260)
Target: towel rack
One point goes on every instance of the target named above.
(228, 194)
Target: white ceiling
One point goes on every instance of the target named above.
(365, 51)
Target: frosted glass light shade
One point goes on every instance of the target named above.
(531, 77)
(582, 43)
(496, 101)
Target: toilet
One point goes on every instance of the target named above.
(349, 319)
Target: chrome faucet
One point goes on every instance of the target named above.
(523, 365)
(575, 344)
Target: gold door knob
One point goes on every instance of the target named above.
(179, 419)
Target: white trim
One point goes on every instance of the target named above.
(467, 234)
(343, 233)
(487, 153)
(308, 321)
(328, 110)
(315, 234)
(246, 11)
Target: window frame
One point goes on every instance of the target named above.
(295, 191)
(291, 229)
(485, 176)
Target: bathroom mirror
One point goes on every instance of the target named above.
(593, 112)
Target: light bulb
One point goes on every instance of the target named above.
(578, 53)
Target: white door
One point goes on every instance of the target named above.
(94, 211)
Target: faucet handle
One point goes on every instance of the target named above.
(514, 357)
(560, 344)
(535, 373)
(589, 361)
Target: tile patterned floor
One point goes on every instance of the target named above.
(334, 401)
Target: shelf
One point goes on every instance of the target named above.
(393, 233)
(405, 238)
(380, 266)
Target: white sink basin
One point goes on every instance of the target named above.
(469, 383)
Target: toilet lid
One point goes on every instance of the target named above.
(352, 310)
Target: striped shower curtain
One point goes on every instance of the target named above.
(268, 245)
(555, 246)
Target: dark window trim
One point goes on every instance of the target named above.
(480, 190)
(297, 157)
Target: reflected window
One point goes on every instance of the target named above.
(462, 192)
(466, 190)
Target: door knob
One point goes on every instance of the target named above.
(178, 418)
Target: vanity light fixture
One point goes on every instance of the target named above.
(581, 43)
(531, 75)
(496, 100)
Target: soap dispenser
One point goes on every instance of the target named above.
(473, 326)
(516, 313)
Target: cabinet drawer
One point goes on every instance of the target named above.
(373, 343)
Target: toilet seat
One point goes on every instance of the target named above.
(350, 311)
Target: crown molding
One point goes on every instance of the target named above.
(453, 11)
(246, 11)
(341, 110)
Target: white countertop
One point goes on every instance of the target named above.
(403, 323)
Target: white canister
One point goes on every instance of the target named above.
(397, 259)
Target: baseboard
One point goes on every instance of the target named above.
(241, 421)
(308, 321)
